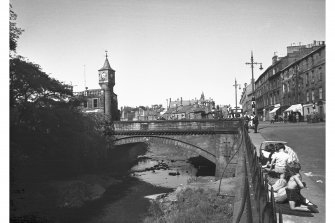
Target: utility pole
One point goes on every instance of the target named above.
(252, 63)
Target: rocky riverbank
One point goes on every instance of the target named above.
(196, 202)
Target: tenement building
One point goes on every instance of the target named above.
(280, 89)
(102, 100)
(245, 100)
(303, 84)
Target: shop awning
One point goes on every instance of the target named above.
(274, 110)
(294, 108)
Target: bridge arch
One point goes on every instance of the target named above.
(166, 140)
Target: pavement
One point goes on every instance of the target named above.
(313, 192)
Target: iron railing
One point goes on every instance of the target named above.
(253, 202)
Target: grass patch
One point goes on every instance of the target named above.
(192, 205)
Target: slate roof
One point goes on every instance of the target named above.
(106, 65)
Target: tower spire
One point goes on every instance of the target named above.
(106, 65)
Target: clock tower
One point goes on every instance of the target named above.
(107, 82)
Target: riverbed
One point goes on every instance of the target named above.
(137, 170)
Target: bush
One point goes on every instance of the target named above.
(313, 118)
(193, 205)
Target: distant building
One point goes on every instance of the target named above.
(141, 113)
(191, 109)
(102, 100)
(245, 100)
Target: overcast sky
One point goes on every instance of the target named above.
(164, 49)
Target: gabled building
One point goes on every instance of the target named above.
(190, 109)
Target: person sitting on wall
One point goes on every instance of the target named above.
(293, 157)
(266, 155)
(279, 189)
(294, 185)
(279, 159)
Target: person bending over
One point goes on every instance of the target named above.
(294, 185)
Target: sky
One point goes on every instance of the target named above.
(163, 49)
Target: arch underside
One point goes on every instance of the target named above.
(166, 140)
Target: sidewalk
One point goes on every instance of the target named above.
(312, 192)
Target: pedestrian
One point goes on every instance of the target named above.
(246, 123)
(255, 121)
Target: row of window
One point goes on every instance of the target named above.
(273, 99)
(94, 103)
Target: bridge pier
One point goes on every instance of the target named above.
(226, 159)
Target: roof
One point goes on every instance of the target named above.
(302, 58)
(106, 65)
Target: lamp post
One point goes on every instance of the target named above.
(252, 63)
(236, 85)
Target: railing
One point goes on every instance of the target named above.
(252, 201)
(173, 126)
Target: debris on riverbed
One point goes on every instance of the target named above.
(157, 196)
(160, 166)
(174, 173)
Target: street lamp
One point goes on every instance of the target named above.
(236, 85)
(252, 63)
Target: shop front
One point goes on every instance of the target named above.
(273, 113)
(294, 113)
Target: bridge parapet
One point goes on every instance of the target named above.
(210, 126)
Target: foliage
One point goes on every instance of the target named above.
(49, 136)
(14, 31)
(193, 205)
(314, 117)
(29, 84)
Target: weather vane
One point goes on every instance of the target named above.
(106, 53)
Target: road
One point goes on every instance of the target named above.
(308, 140)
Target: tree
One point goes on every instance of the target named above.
(14, 31)
(28, 83)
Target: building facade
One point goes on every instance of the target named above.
(303, 82)
(245, 100)
(282, 84)
(102, 100)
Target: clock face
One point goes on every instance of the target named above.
(103, 76)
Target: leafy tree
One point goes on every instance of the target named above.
(14, 31)
(28, 83)
(48, 133)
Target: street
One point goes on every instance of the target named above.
(307, 140)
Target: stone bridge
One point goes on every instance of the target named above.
(215, 140)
